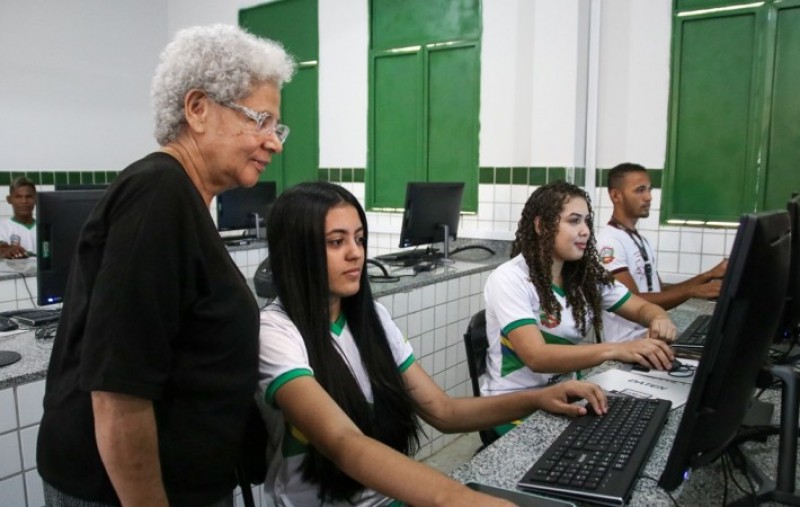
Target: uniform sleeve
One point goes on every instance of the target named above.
(402, 351)
(511, 298)
(282, 354)
(615, 296)
(611, 252)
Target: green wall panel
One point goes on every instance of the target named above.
(396, 136)
(783, 160)
(396, 23)
(300, 111)
(453, 118)
(293, 22)
(712, 139)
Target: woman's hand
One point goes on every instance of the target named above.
(645, 351)
(662, 328)
(558, 398)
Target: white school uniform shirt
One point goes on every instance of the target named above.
(26, 233)
(618, 252)
(283, 357)
(512, 302)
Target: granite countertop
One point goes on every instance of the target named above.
(505, 461)
(464, 263)
(18, 268)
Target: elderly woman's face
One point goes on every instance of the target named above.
(235, 151)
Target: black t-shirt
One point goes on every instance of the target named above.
(155, 308)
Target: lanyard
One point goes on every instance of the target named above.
(639, 242)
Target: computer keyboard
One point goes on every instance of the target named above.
(34, 317)
(695, 334)
(410, 257)
(597, 459)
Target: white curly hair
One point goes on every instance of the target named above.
(223, 60)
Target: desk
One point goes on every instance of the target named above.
(505, 461)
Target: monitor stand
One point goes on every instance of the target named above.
(782, 488)
(8, 357)
(446, 247)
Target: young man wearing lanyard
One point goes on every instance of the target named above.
(632, 261)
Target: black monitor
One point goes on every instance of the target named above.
(237, 208)
(81, 186)
(60, 218)
(791, 308)
(431, 213)
(741, 332)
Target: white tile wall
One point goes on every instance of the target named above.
(681, 252)
(436, 317)
(19, 482)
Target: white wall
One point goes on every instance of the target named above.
(75, 84)
(634, 82)
(74, 93)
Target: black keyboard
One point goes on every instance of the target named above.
(598, 459)
(695, 335)
(410, 257)
(34, 318)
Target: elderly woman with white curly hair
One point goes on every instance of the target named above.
(155, 360)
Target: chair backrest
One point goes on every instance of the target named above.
(477, 344)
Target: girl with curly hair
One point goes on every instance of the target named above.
(542, 302)
(341, 388)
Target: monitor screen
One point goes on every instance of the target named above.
(236, 207)
(429, 206)
(791, 308)
(81, 186)
(60, 218)
(742, 328)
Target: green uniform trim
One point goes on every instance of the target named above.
(406, 364)
(621, 302)
(269, 395)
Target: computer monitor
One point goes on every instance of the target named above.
(431, 213)
(81, 186)
(741, 332)
(239, 208)
(791, 308)
(60, 218)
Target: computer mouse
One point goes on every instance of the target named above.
(424, 266)
(7, 324)
(676, 365)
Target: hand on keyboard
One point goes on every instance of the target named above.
(557, 398)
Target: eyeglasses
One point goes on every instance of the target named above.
(265, 122)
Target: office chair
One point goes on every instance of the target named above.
(477, 344)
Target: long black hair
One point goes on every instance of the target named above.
(298, 259)
(583, 278)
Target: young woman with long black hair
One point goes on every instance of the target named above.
(341, 387)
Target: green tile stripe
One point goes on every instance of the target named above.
(533, 176)
(342, 174)
(53, 177)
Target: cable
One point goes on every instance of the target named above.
(471, 247)
(682, 371)
(385, 277)
(46, 332)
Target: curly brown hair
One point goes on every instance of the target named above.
(583, 279)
